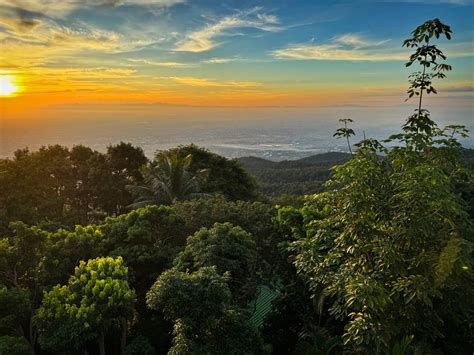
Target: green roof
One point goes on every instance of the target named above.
(263, 304)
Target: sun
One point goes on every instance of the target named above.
(7, 85)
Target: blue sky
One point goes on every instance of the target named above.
(223, 53)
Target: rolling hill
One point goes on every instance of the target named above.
(298, 177)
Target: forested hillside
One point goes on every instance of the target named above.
(307, 175)
(298, 177)
(467, 156)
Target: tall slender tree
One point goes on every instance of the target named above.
(345, 132)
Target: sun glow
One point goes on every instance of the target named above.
(7, 85)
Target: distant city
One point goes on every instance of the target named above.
(276, 140)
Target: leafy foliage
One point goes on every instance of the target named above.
(14, 345)
(147, 238)
(92, 302)
(167, 179)
(224, 176)
(205, 322)
(392, 238)
(64, 250)
(19, 255)
(58, 186)
(254, 217)
(230, 249)
(15, 312)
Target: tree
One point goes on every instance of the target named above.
(126, 160)
(230, 249)
(345, 132)
(15, 313)
(60, 187)
(148, 239)
(64, 249)
(108, 175)
(255, 218)
(31, 261)
(96, 299)
(124, 164)
(392, 239)
(224, 176)
(14, 345)
(200, 306)
(168, 179)
(20, 254)
(426, 55)
(32, 185)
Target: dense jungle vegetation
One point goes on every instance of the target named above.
(188, 253)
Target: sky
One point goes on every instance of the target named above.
(128, 58)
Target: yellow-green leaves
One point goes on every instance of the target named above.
(96, 295)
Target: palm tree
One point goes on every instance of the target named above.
(166, 180)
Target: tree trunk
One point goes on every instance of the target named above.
(421, 90)
(101, 344)
(32, 336)
(123, 339)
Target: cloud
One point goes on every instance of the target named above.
(357, 41)
(92, 38)
(219, 60)
(333, 52)
(460, 88)
(159, 3)
(178, 65)
(353, 47)
(18, 19)
(87, 73)
(204, 82)
(175, 65)
(349, 46)
(268, 18)
(205, 39)
(51, 39)
(61, 8)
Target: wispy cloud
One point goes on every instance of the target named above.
(219, 60)
(178, 65)
(175, 65)
(357, 41)
(162, 3)
(333, 52)
(205, 82)
(351, 47)
(62, 8)
(50, 40)
(205, 38)
(88, 73)
(463, 87)
(92, 38)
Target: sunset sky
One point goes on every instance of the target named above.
(100, 55)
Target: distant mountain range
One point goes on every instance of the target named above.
(306, 175)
